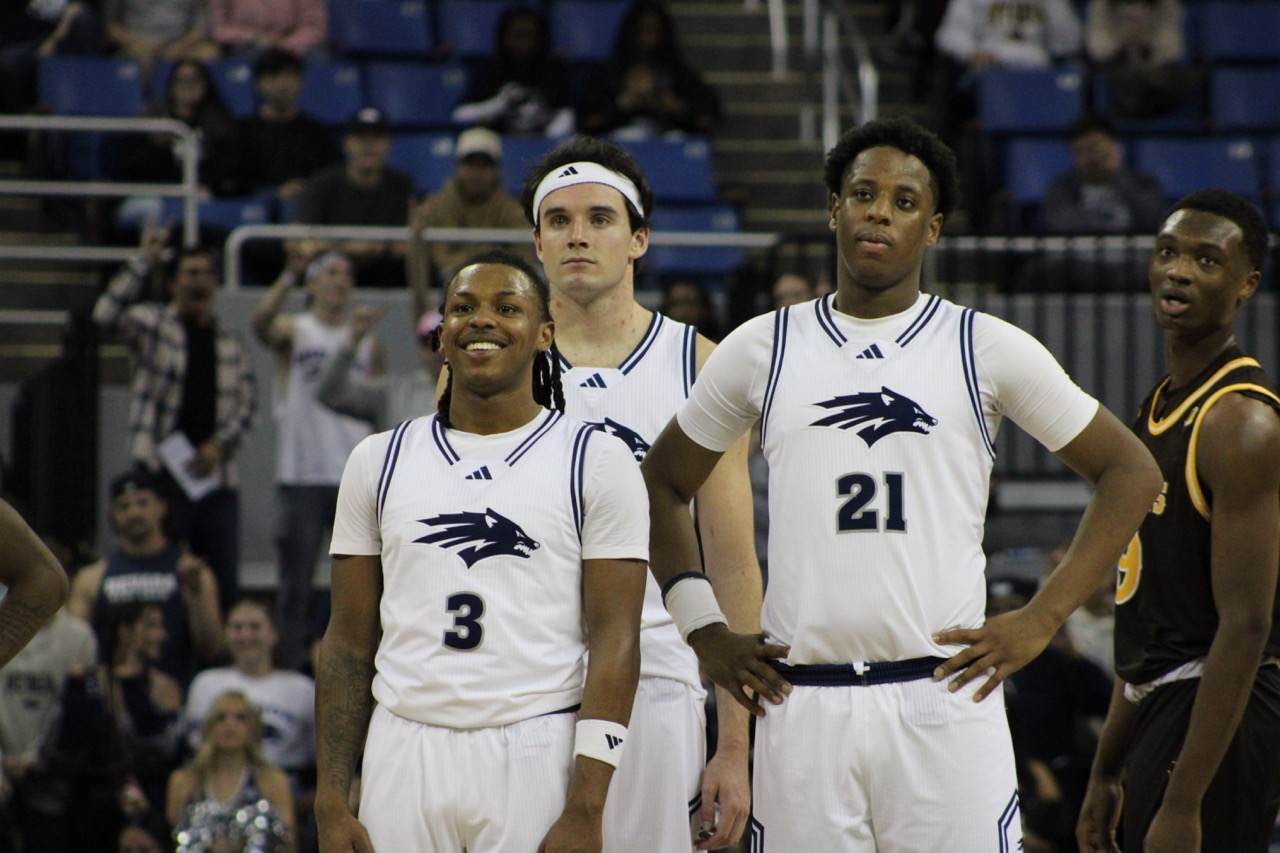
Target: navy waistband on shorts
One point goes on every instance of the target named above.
(857, 674)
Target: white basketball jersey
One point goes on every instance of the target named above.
(313, 440)
(878, 435)
(634, 401)
(482, 540)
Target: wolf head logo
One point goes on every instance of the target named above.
(876, 414)
(639, 447)
(484, 534)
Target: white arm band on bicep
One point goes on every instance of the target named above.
(692, 603)
(602, 740)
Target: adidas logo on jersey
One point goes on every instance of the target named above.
(872, 351)
(481, 473)
(595, 380)
(567, 172)
(613, 740)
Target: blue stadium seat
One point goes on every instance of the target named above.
(1187, 164)
(1030, 100)
(90, 86)
(468, 26)
(224, 214)
(331, 91)
(1233, 31)
(584, 29)
(426, 157)
(1245, 99)
(694, 260)
(1029, 166)
(414, 95)
(235, 83)
(1186, 119)
(383, 28)
(679, 171)
(519, 153)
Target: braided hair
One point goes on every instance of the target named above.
(547, 389)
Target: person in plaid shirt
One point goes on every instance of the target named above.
(191, 375)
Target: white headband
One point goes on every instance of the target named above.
(586, 173)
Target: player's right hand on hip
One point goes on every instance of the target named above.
(739, 663)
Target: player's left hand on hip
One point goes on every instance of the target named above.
(999, 648)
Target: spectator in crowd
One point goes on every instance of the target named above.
(148, 30)
(312, 442)
(285, 699)
(147, 567)
(361, 191)
(31, 691)
(792, 289)
(1138, 45)
(392, 399)
(979, 34)
(299, 27)
(194, 393)
(648, 88)
(229, 796)
(473, 198)
(191, 97)
(522, 87)
(33, 30)
(142, 705)
(281, 145)
(686, 300)
(145, 833)
(1101, 195)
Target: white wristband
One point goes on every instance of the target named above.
(692, 604)
(602, 740)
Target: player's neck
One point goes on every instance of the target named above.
(1189, 358)
(147, 546)
(491, 414)
(868, 303)
(602, 332)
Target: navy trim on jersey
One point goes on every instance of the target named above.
(442, 441)
(857, 675)
(755, 836)
(823, 309)
(548, 421)
(1009, 819)
(922, 319)
(389, 464)
(577, 468)
(969, 362)
(695, 804)
(646, 343)
(775, 366)
(690, 358)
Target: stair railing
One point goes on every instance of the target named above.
(188, 188)
(837, 73)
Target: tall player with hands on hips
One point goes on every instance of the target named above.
(477, 553)
(1187, 759)
(879, 407)
(628, 369)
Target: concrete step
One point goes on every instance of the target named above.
(54, 290)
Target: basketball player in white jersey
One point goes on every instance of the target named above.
(628, 369)
(879, 407)
(475, 552)
(312, 441)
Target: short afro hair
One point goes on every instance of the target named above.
(1230, 206)
(908, 137)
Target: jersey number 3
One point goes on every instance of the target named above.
(858, 514)
(467, 632)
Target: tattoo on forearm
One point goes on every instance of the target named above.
(19, 622)
(344, 704)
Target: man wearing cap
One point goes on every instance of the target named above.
(629, 369)
(473, 198)
(147, 566)
(361, 191)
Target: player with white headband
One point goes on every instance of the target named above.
(629, 369)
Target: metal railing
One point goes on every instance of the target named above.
(231, 265)
(188, 188)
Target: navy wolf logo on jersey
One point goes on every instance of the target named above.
(639, 447)
(876, 414)
(486, 534)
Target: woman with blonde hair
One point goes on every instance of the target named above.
(229, 799)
